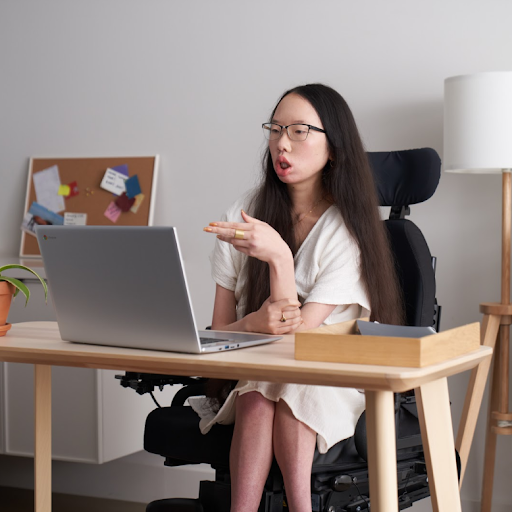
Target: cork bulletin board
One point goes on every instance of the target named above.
(83, 180)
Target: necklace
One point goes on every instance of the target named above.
(299, 220)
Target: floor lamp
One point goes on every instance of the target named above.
(478, 139)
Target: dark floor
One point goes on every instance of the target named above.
(22, 500)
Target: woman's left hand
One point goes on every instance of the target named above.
(252, 237)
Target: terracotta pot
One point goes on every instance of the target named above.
(6, 293)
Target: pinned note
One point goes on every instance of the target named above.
(64, 190)
(132, 186)
(44, 216)
(124, 202)
(75, 219)
(112, 212)
(46, 184)
(73, 189)
(28, 224)
(39, 215)
(68, 191)
(113, 181)
(138, 201)
(121, 169)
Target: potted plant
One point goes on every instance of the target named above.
(9, 288)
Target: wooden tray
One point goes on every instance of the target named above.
(339, 343)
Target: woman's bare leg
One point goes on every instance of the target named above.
(251, 452)
(294, 448)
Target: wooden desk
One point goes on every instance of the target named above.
(39, 343)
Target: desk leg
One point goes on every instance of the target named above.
(43, 438)
(381, 437)
(437, 435)
(475, 392)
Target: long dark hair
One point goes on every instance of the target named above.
(348, 181)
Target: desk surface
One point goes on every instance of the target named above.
(40, 343)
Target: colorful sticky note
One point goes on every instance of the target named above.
(64, 190)
(132, 186)
(73, 189)
(112, 212)
(138, 200)
(124, 202)
(113, 181)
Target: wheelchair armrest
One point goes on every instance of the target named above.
(146, 382)
(198, 388)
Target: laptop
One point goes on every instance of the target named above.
(125, 286)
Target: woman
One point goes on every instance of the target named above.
(305, 249)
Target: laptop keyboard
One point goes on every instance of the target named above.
(206, 341)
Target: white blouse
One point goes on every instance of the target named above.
(326, 266)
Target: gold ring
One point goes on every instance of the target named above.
(239, 234)
(283, 318)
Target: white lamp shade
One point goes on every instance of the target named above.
(478, 123)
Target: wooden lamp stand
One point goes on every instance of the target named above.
(495, 334)
(478, 140)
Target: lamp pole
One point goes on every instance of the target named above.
(499, 419)
(505, 288)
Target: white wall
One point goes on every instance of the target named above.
(192, 81)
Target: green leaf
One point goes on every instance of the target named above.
(23, 267)
(19, 287)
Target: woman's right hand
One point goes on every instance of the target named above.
(253, 238)
(269, 318)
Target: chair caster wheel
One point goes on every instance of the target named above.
(175, 505)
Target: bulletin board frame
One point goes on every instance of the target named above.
(91, 199)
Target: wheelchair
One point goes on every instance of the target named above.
(339, 478)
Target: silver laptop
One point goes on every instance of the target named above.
(125, 286)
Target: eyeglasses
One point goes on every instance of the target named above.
(273, 131)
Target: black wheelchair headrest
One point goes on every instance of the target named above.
(405, 177)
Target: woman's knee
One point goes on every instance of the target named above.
(286, 421)
(254, 404)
